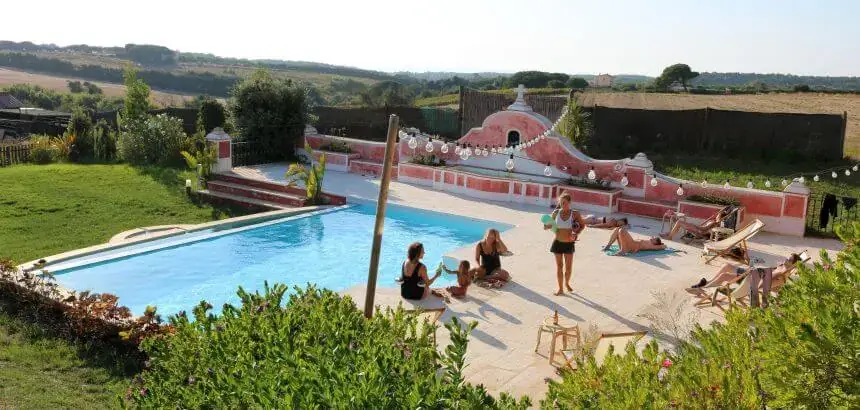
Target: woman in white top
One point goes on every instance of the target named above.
(569, 224)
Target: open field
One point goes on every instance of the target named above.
(317, 79)
(9, 77)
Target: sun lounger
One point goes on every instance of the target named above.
(600, 347)
(741, 294)
(737, 240)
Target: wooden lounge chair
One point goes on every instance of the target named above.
(739, 239)
(429, 316)
(600, 347)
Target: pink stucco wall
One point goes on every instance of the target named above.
(367, 150)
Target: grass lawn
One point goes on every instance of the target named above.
(38, 371)
(48, 209)
(739, 172)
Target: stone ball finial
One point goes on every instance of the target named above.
(640, 160)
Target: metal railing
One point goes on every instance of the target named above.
(826, 211)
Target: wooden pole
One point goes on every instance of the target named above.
(393, 128)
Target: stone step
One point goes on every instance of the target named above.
(246, 191)
(242, 200)
(299, 192)
(256, 183)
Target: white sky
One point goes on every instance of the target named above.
(572, 36)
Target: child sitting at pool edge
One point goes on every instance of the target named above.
(464, 278)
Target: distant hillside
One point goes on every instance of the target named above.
(785, 81)
(444, 75)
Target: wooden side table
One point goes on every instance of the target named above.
(560, 329)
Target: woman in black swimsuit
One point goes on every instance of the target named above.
(414, 282)
(487, 255)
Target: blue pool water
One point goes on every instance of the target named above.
(331, 250)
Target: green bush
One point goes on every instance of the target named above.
(210, 115)
(714, 199)
(42, 151)
(104, 142)
(799, 353)
(318, 351)
(158, 140)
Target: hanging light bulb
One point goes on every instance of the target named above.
(444, 148)
(493, 150)
(654, 181)
(509, 164)
(750, 185)
(784, 182)
(802, 180)
(727, 185)
(543, 136)
(833, 174)
(484, 152)
(464, 155)
(816, 178)
(591, 174)
(847, 173)
(547, 171)
(855, 167)
(468, 151)
(413, 143)
(624, 180)
(680, 191)
(457, 149)
(767, 184)
(429, 146)
(704, 183)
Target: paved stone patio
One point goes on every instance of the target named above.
(610, 292)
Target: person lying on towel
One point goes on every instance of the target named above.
(629, 245)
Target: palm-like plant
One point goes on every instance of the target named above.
(310, 174)
(205, 157)
(576, 125)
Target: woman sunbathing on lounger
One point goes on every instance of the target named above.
(701, 230)
(629, 245)
(604, 222)
(731, 273)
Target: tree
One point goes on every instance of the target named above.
(676, 73)
(555, 84)
(802, 88)
(210, 115)
(387, 93)
(271, 112)
(576, 125)
(92, 88)
(534, 79)
(577, 83)
(136, 103)
(75, 86)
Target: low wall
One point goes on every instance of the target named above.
(366, 150)
(336, 161)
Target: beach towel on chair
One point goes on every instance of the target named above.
(614, 249)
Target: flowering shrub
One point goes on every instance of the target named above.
(319, 351)
(41, 150)
(88, 316)
(799, 353)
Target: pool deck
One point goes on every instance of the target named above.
(609, 292)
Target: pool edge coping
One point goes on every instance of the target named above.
(107, 246)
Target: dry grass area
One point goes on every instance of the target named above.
(791, 103)
(59, 84)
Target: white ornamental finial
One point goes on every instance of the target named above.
(520, 103)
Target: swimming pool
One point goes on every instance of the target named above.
(329, 249)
